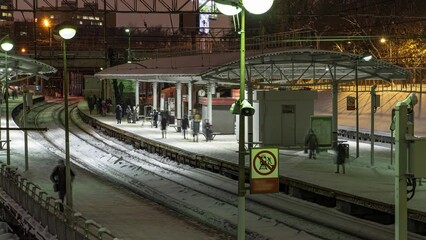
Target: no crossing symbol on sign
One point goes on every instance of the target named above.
(264, 170)
(264, 163)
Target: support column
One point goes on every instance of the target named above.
(137, 93)
(154, 95)
(335, 93)
(178, 105)
(210, 88)
(189, 99)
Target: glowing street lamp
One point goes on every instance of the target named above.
(67, 31)
(6, 46)
(128, 49)
(233, 7)
(47, 24)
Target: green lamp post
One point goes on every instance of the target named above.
(6, 46)
(127, 30)
(67, 31)
(233, 7)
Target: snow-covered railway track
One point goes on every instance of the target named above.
(206, 196)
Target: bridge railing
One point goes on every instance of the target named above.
(22, 197)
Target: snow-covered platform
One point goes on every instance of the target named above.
(124, 213)
(98, 200)
(364, 184)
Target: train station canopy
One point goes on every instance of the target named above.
(274, 67)
(20, 68)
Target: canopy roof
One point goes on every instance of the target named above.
(267, 68)
(170, 69)
(20, 68)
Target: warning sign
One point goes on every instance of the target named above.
(350, 103)
(264, 170)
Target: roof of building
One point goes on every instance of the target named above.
(20, 68)
(277, 67)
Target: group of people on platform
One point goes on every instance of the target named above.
(102, 106)
(132, 114)
(163, 118)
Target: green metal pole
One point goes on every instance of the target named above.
(335, 110)
(372, 137)
(128, 50)
(241, 149)
(67, 137)
(357, 109)
(401, 170)
(25, 126)
(7, 112)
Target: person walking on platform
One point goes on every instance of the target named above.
(196, 126)
(163, 125)
(185, 125)
(340, 157)
(58, 177)
(135, 114)
(129, 114)
(311, 144)
(104, 108)
(155, 118)
(91, 104)
(118, 113)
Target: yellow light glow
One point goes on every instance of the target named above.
(46, 22)
(383, 40)
(23, 50)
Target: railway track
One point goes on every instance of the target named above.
(208, 197)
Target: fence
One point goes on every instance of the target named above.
(37, 212)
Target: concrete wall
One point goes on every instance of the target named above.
(223, 120)
(91, 86)
(284, 116)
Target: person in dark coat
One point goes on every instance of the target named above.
(311, 143)
(58, 176)
(91, 104)
(155, 118)
(163, 125)
(185, 125)
(340, 157)
(118, 113)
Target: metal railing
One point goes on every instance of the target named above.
(58, 219)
